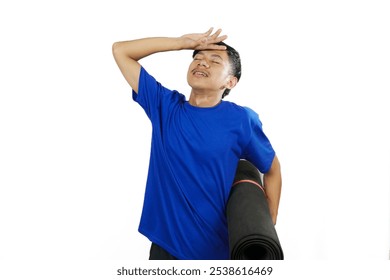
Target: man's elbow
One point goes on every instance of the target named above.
(115, 48)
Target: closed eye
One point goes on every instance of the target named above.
(198, 57)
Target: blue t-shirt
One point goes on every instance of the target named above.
(194, 156)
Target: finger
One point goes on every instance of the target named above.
(216, 34)
(220, 47)
(221, 38)
(217, 40)
(215, 47)
(209, 31)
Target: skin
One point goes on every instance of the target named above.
(273, 187)
(209, 74)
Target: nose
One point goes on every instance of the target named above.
(203, 63)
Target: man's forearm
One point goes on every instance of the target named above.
(140, 48)
(273, 188)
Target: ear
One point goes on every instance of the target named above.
(232, 82)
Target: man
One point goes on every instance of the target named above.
(196, 146)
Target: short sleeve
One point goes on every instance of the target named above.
(259, 150)
(148, 93)
(155, 99)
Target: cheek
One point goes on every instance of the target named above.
(188, 72)
(190, 67)
(224, 76)
(189, 75)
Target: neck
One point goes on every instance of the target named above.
(204, 100)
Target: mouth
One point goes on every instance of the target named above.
(199, 73)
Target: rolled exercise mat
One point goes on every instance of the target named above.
(252, 234)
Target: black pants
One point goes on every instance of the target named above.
(158, 253)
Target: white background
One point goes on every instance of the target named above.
(75, 148)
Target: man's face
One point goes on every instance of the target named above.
(209, 72)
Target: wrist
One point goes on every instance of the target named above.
(181, 43)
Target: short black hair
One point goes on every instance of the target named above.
(235, 62)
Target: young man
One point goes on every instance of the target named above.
(196, 146)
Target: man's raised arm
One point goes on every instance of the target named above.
(128, 53)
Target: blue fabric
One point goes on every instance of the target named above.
(194, 156)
